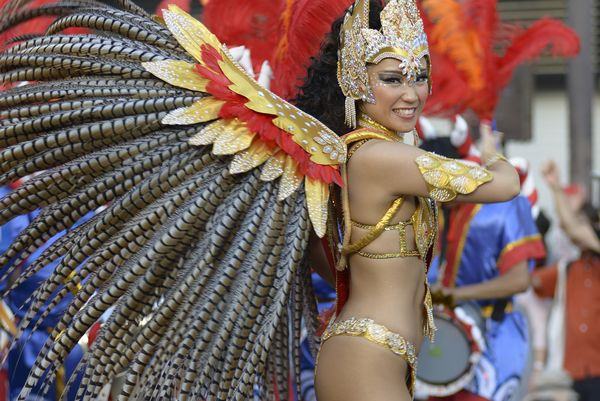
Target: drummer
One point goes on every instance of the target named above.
(487, 253)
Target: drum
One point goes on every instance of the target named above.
(446, 366)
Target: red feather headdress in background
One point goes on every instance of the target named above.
(474, 54)
(287, 33)
(254, 24)
(304, 25)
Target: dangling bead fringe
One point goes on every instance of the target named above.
(350, 112)
(429, 328)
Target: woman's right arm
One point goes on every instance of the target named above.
(403, 169)
(578, 229)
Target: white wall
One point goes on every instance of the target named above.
(551, 140)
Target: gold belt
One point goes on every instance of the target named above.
(380, 335)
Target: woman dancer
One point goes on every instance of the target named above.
(201, 249)
(384, 70)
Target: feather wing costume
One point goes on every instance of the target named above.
(209, 184)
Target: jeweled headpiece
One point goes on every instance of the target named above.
(402, 36)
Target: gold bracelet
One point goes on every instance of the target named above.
(495, 158)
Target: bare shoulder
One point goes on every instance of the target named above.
(387, 167)
(379, 155)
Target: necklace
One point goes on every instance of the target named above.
(364, 121)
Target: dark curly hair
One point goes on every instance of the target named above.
(320, 95)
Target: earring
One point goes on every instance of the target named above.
(350, 112)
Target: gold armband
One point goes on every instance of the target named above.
(447, 178)
(495, 158)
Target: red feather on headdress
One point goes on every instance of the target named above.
(484, 52)
(449, 93)
(449, 37)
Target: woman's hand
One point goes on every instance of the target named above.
(442, 295)
(551, 174)
(489, 142)
(513, 281)
(579, 229)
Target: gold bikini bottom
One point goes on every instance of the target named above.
(380, 335)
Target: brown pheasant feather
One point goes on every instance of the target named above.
(201, 272)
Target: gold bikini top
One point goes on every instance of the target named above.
(375, 230)
(445, 178)
(384, 224)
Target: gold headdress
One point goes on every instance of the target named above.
(402, 36)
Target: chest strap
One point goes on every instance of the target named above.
(375, 230)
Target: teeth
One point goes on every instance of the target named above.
(405, 112)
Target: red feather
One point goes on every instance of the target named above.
(303, 27)
(497, 47)
(254, 24)
(483, 17)
(530, 43)
(287, 33)
(451, 91)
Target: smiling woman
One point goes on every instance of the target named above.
(384, 211)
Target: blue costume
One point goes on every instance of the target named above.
(489, 240)
(325, 300)
(23, 354)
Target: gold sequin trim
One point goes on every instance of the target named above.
(389, 255)
(447, 178)
(365, 121)
(391, 227)
(378, 334)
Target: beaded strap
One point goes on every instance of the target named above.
(355, 146)
(494, 159)
(391, 227)
(401, 228)
(389, 255)
(375, 231)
